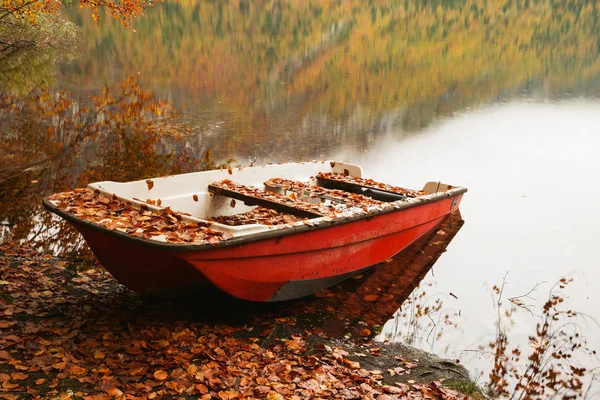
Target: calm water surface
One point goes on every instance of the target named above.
(498, 96)
(530, 211)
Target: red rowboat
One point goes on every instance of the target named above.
(268, 233)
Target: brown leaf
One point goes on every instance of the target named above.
(371, 297)
(195, 197)
(77, 370)
(40, 381)
(60, 365)
(229, 395)
(18, 376)
(99, 354)
(133, 350)
(114, 392)
(351, 364)
(203, 389)
(7, 396)
(4, 355)
(295, 344)
(161, 375)
(364, 332)
(150, 184)
(6, 324)
(273, 395)
(192, 369)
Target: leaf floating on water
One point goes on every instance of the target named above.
(150, 184)
(195, 197)
(232, 203)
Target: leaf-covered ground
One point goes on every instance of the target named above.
(68, 334)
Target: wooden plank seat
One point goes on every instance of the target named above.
(252, 196)
(350, 199)
(368, 187)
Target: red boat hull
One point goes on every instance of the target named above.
(271, 269)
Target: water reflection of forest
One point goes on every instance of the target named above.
(296, 79)
(344, 71)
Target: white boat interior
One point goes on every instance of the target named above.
(189, 193)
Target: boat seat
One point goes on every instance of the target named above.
(252, 196)
(350, 199)
(367, 187)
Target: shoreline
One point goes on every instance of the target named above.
(80, 334)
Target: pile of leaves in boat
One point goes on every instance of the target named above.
(112, 213)
(80, 335)
(331, 204)
(370, 183)
(334, 195)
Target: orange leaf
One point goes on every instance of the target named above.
(352, 364)
(60, 365)
(18, 376)
(134, 350)
(161, 375)
(77, 371)
(364, 332)
(371, 297)
(99, 354)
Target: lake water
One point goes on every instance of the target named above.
(530, 211)
(499, 96)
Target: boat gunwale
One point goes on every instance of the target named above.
(255, 237)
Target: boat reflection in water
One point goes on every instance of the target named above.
(357, 305)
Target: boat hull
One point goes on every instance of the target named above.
(272, 269)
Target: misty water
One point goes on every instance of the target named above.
(501, 97)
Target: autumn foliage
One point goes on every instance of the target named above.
(80, 334)
(52, 142)
(552, 369)
(123, 10)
